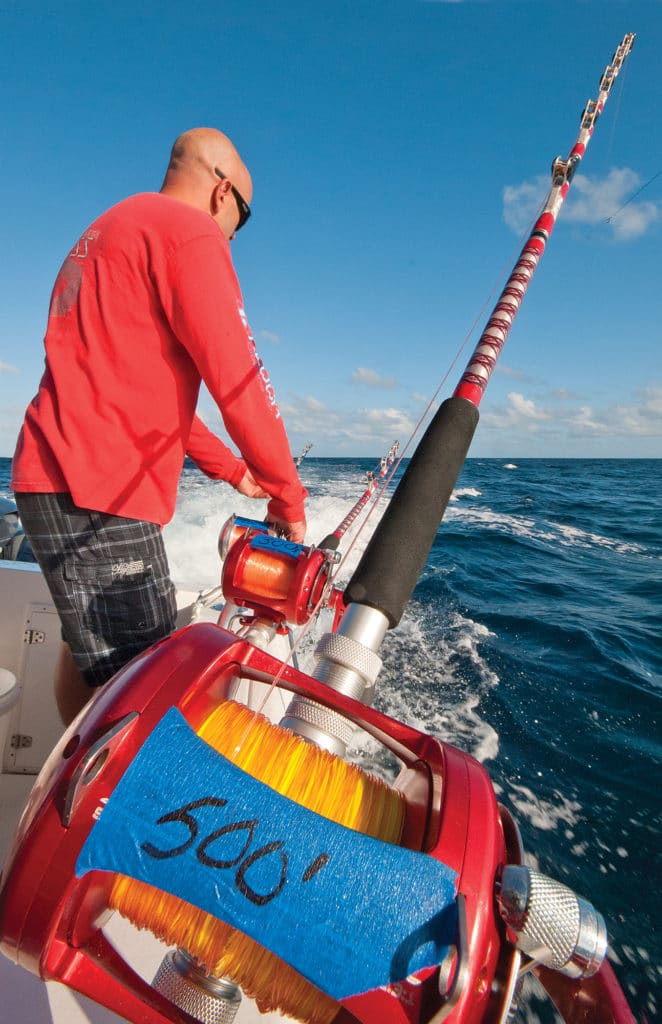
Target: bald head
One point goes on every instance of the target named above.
(196, 157)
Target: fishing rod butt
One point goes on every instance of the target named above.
(395, 556)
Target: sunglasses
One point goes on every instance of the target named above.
(242, 205)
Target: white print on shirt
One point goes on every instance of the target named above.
(80, 250)
(67, 285)
(264, 374)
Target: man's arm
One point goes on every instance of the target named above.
(206, 312)
(217, 461)
(212, 456)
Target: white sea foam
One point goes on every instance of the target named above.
(465, 492)
(191, 537)
(548, 532)
(543, 814)
(581, 538)
(424, 680)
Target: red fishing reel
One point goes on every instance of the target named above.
(279, 580)
(52, 914)
(50, 918)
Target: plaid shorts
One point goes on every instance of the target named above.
(108, 577)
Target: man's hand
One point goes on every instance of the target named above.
(249, 488)
(291, 531)
(295, 532)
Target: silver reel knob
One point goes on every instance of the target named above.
(553, 925)
(209, 999)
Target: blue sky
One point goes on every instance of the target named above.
(398, 150)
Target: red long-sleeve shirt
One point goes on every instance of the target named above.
(146, 306)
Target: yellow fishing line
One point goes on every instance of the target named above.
(311, 777)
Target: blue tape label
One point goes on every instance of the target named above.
(347, 911)
(267, 542)
(251, 524)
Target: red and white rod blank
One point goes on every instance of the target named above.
(478, 372)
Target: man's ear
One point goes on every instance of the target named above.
(219, 192)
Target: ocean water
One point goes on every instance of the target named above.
(533, 640)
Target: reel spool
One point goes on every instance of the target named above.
(315, 780)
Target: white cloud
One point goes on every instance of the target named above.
(594, 202)
(584, 421)
(591, 201)
(522, 203)
(372, 379)
(651, 404)
(525, 407)
(273, 339)
(520, 412)
(310, 415)
(643, 418)
(571, 419)
(558, 419)
(637, 419)
(7, 368)
(558, 423)
(393, 421)
(509, 371)
(363, 429)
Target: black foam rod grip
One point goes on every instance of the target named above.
(394, 558)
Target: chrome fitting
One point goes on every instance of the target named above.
(553, 925)
(205, 997)
(348, 663)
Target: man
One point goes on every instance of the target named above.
(145, 307)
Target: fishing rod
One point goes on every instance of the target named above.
(533, 907)
(331, 541)
(385, 577)
(475, 377)
(393, 560)
(304, 451)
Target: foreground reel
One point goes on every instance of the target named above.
(52, 910)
